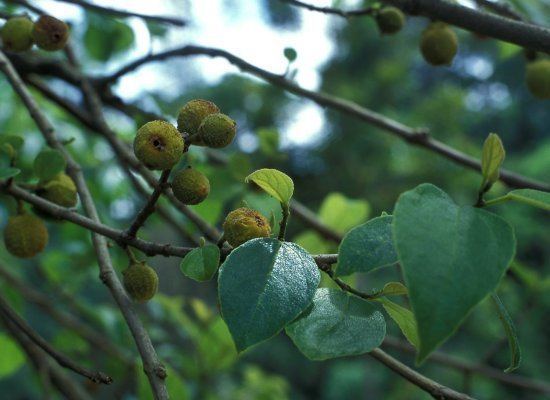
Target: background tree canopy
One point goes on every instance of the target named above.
(345, 170)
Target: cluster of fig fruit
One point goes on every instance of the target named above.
(25, 234)
(20, 33)
(160, 146)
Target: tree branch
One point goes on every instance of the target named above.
(66, 386)
(501, 8)
(331, 10)
(64, 361)
(149, 207)
(523, 34)
(436, 390)
(152, 366)
(413, 136)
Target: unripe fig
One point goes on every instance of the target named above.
(438, 44)
(140, 281)
(158, 145)
(538, 78)
(244, 224)
(390, 20)
(190, 186)
(50, 34)
(217, 130)
(193, 113)
(17, 34)
(61, 190)
(25, 235)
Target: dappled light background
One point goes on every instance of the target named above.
(345, 170)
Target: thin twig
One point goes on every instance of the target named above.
(97, 340)
(332, 10)
(501, 8)
(436, 390)
(64, 361)
(411, 135)
(149, 207)
(66, 386)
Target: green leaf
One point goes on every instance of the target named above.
(49, 163)
(510, 329)
(12, 357)
(367, 247)
(274, 182)
(452, 257)
(9, 172)
(16, 142)
(290, 54)
(200, 264)
(404, 319)
(533, 197)
(341, 213)
(263, 285)
(269, 141)
(492, 157)
(337, 324)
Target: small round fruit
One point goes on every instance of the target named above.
(217, 130)
(140, 281)
(538, 78)
(158, 145)
(190, 186)
(50, 34)
(25, 235)
(17, 34)
(61, 190)
(244, 224)
(193, 113)
(438, 44)
(390, 20)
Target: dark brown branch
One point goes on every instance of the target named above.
(436, 390)
(149, 207)
(438, 357)
(523, 34)
(64, 361)
(501, 8)
(331, 10)
(413, 136)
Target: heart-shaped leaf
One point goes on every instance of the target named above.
(49, 163)
(367, 247)
(452, 257)
(263, 285)
(274, 182)
(337, 324)
(201, 263)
